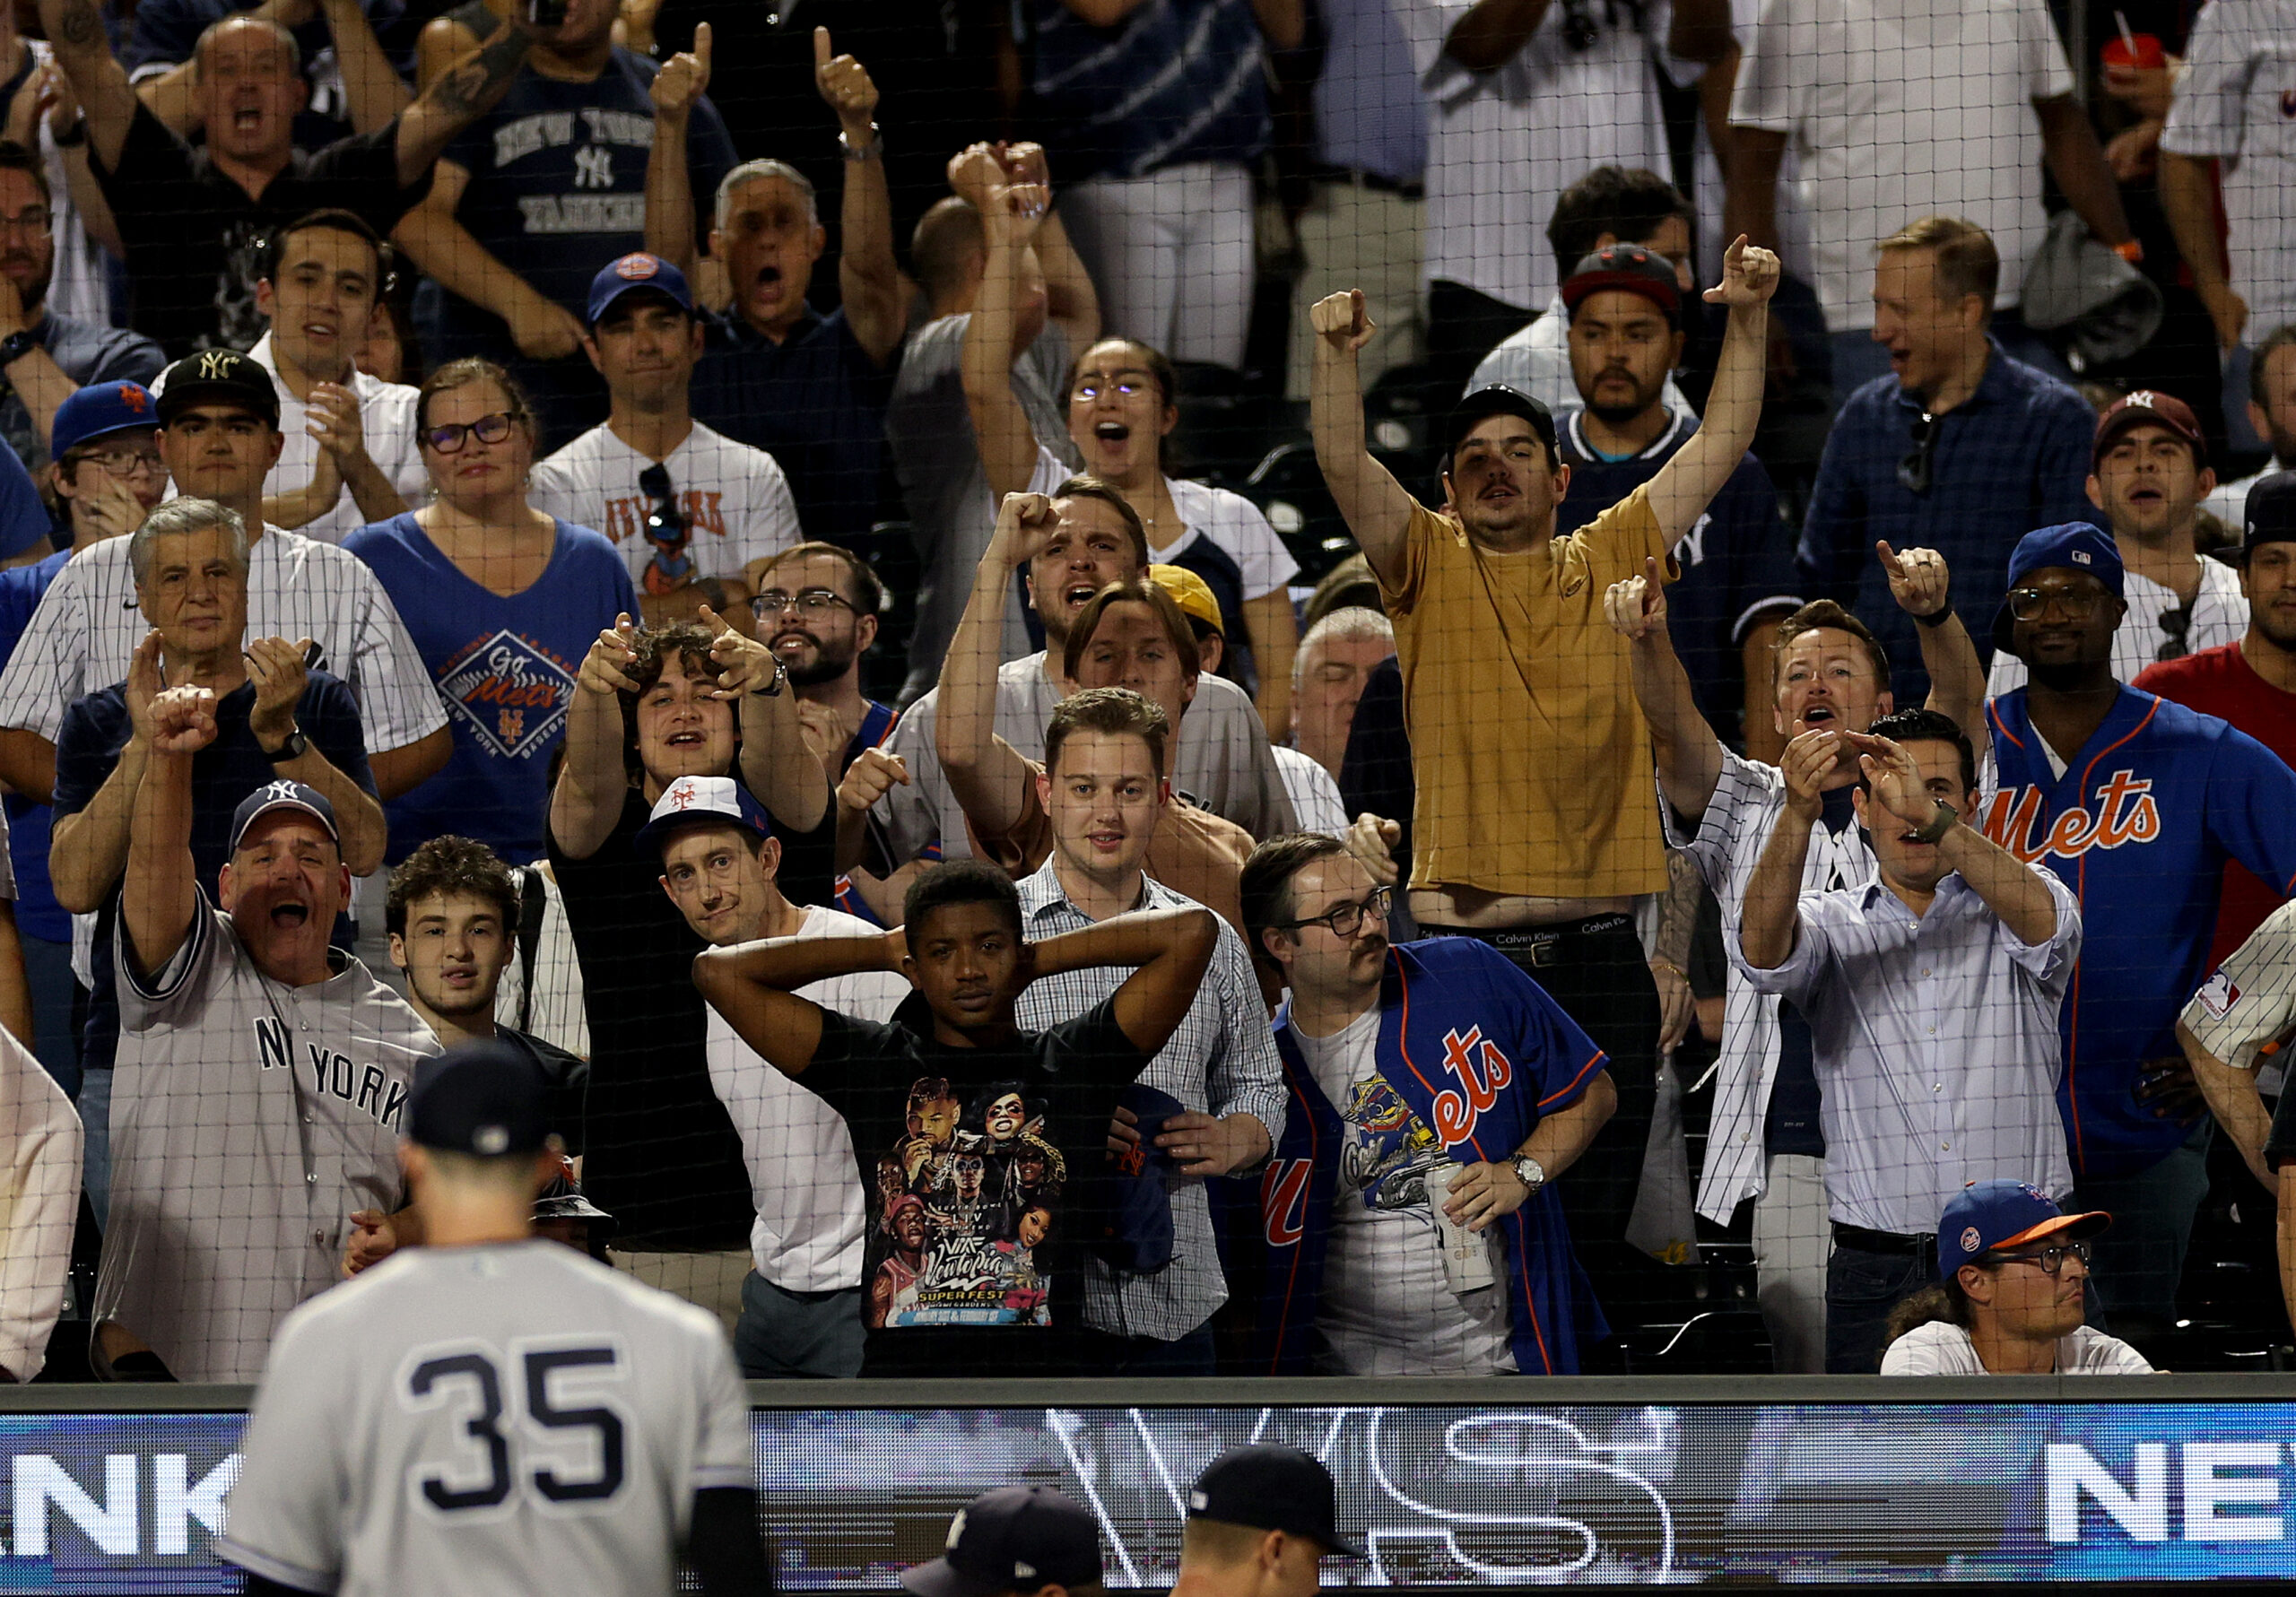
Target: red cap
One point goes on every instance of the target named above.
(2162, 410)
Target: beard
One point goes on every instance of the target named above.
(830, 661)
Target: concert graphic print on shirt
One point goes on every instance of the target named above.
(962, 1200)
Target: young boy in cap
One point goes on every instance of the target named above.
(1016, 1541)
(2010, 1267)
(1260, 1521)
(632, 1441)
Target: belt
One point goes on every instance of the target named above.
(1410, 188)
(1541, 945)
(1883, 1242)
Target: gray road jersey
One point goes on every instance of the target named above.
(249, 1119)
(508, 1418)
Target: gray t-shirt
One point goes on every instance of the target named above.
(249, 1120)
(510, 1417)
(937, 457)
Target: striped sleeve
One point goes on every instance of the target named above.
(397, 701)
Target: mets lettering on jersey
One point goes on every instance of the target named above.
(2139, 827)
(249, 1119)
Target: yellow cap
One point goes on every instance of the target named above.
(1191, 592)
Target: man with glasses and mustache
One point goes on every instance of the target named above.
(46, 357)
(693, 513)
(2008, 1298)
(1960, 448)
(1421, 1073)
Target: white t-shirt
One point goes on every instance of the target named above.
(2233, 101)
(735, 498)
(1943, 1348)
(808, 1234)
(1503, 145)
(2220, 615)
(1386, 1309)
(1898, 109)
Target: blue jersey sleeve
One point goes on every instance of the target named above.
(2251, 799)
(1557, 1057)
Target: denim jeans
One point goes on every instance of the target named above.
(1862, 1287)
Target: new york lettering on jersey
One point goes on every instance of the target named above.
(369, 1089)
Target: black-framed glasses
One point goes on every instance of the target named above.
(804, 601)
(666, 524)
(2051, 1259)
(448, 438)
(2076, 604)
(2176, 633)
(1347, 920)
(1917, 469)
(127, 462)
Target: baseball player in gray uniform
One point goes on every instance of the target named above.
(263, 1076)
(493, 1412)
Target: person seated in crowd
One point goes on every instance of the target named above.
(648, 707)
(2250, 682)
(801, 1299)
(1127, 635)
(348, 90)
(196, 1275)
(2151, 801)
(1766, 1140)
(1371, 1150)
(42, 1139)
(979, 1143)
(503, 599)
(774, 373)
(1622, 306)
(1609, 205)
(693, 512)
(1122, 399)
(351, 456)
(937, 454)
(45, 355)
(192, 219)
(1533, 826)
(2271, 412)
(1216, 1088)
(2008, 1301)
(1330, 673)
(1960, 448)
(1314, 792)
(530, 200)
(2148, 473)
(1222, 760)
(1927, 1081)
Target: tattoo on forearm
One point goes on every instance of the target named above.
(464, 91)
(1678, 910)
(83, 29)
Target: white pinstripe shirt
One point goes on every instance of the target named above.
(84, 633)
(1221, 1060)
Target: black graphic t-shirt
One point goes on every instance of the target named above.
(977, 1165)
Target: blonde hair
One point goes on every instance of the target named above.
(1967, 262)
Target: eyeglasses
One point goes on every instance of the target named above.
(490, 429)
(1918, 468)
(1348, 919)
(1126, 387)
(127, 462)
(666, 524)
(2077, 604)
(35, 224)
(805, 601)
(2051, 1259)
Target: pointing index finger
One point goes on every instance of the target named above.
(823, 53)
(701, 37)
(1890, 561)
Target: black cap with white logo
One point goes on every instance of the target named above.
(484, 1099)
(1272, 1489)
(1017, 1537)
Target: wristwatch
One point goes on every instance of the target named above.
(1528, 1171)
(296, 746)
(1947, 819)
(772, 689)
(17, 345)
(869, 152)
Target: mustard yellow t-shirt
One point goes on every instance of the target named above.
(1530, 755)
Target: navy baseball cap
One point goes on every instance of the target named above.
(1272, 1489)
(1987, 1216)
(2269, 517)
(634, 273)
(1017, 1537)
(282, 795)
(2075, 545)
(1496, 399)
(218, 377)
(99, 410)
(484, 1099)
(1630, 268)
(692, 799)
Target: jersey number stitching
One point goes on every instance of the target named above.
(485, 1427)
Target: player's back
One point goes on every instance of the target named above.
(504, 1418)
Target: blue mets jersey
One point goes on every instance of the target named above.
(2139, 827)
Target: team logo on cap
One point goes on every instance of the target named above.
(1972, 1240)
(638, 267)
(491, 1139)
(2143, 399)
(282, 792)
(1023, 1569)
(956, 1530)
(216, 364)
(682, 794)
(135, 398)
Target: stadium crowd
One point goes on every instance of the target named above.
(1161, 687)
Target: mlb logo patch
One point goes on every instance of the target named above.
(2082, 557)
(2219, 995)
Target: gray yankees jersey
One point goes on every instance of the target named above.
(505, 1419)
(249, 1119)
